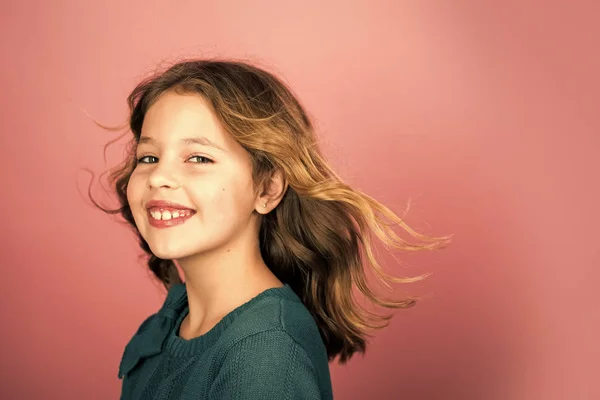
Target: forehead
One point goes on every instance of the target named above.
(175, 116)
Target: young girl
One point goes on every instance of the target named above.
(225, 179)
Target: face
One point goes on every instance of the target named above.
(177, 163)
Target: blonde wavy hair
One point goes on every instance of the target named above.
(316, 238)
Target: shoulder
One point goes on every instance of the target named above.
(274, 314)
(272, 364)
(276, 335)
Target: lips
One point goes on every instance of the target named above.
(173, 214)
(164, 214)
(166, 205)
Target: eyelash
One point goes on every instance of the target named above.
(208, 160)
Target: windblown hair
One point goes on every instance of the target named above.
(316, 238)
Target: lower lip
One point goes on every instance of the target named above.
(167, 223)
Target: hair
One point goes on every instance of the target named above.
(317, 237)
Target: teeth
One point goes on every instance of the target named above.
(166, 215)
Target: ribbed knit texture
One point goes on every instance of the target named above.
(267, 348)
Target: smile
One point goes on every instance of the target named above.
(167, 217)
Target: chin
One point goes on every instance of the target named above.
(168, 253)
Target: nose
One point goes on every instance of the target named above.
(163, 176)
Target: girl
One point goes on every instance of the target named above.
(224, 178)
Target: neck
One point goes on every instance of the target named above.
(220, 281)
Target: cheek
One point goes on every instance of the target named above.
(134, 199)
(134, 192)
(223, 203)
(230, 205)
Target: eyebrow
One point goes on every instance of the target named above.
(201, 140)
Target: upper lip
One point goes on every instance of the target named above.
(165, 204)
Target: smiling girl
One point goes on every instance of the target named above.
(225, 179)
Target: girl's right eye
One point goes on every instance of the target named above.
(144, 157)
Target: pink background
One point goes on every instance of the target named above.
(484, 113)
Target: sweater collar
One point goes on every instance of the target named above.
(151, 337)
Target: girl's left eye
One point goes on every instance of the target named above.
(205, 160)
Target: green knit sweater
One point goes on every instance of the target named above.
(267, 348)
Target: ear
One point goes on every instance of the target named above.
(272, 192)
